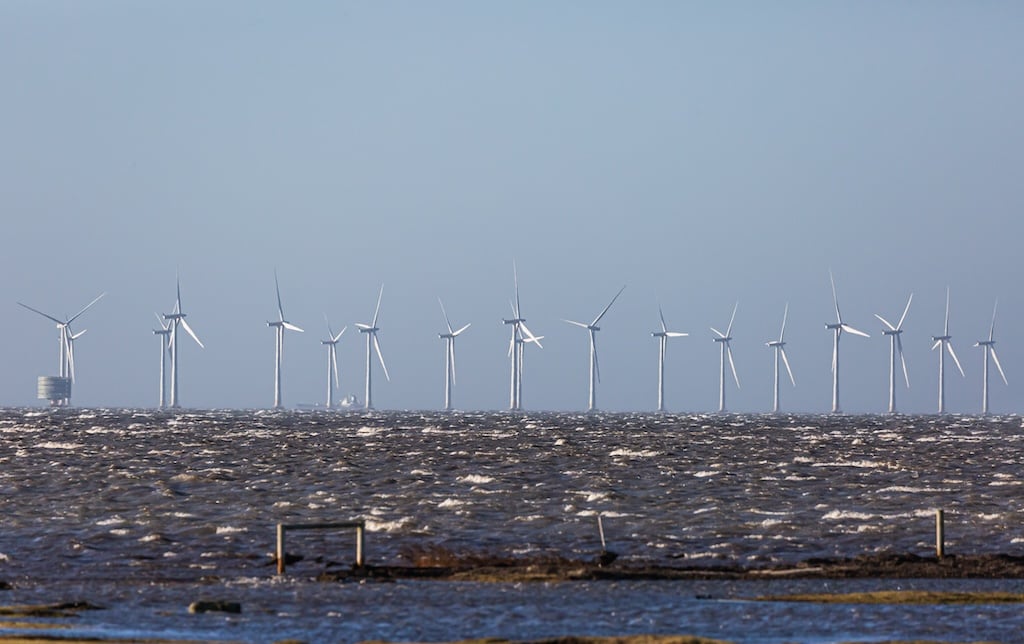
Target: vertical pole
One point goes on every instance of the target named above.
(280, 548)
(940, 535)
(360, 543)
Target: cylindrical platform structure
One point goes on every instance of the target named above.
(56, 389)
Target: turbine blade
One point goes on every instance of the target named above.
(675, 334)
(445, 314)
(380, 356)
(280, 309)
(885, 322)
(87, 307)
(511, 343)
(530, 337)
(850, 329)
(330, 331)
(376, 311)
(905, 311)
(835, 298)
(992, 329)
(456, 333)
(598, 318)
(785, 361)
(949, 345)
(728, 331)
(48, 317)
(192, 333)
(720, 334)
(574, 322)
(287, 325)
(664, 329)
(334, 365)
(515, 279)
(75, 336)
(163, 323)
(899, 347)
(335, 338)
(937, 344)
(597, 363)
(995, 359)
(728, 350)
(360, 325)
(785, 316)
(945, 329)
(451, 356)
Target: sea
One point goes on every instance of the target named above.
(142, 512)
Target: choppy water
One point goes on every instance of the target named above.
(151, 510)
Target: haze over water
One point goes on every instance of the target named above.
(130, 499)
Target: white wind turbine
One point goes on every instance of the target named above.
(945, 341)
(520, 336)
(989, 347)
(724, 339)
(780, 351)
(164, 333)
(174, 320)
(838, 329)
(663, 337)
(279, 326)
(372, 343)
(896, 347)
(332, 361)
(449, 356)
(65, 352)
(595, 369)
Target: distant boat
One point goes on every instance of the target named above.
(349, 401)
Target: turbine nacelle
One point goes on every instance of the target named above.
(366, 328)
(941, 338)
(775, 343)
(892, 331)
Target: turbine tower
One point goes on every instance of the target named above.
(838, 329)
(663, 337)
(163, 333)
(520, 336)
(373, 343)
(449, 356)
(174, 320)
(279, 326)
(595, 369)
(895, 346)
(724, 339)
(780, 351)
(65, 365)
(945, 341)
(989, 347)
(332, 361)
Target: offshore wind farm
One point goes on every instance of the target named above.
(511, 164)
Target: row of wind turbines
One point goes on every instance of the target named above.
(521, 336)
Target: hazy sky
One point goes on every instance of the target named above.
(700, 153)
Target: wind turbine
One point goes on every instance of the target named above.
(176, 319)
(332, 361)
(896, 346)
(595, 369)
(838, 329)
(724, 339)
(780, 351)
(449, 356)
(66, 357)
(945, 340)
(520, 336)
(164, 333)
(989, 347)
(663, 337)
(279, 326)
(373, 343)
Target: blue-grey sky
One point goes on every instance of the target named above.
(700, 153)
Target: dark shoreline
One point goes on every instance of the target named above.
(884, 566)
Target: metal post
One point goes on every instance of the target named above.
(360, 543)
(280, 548)
(940, 536)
